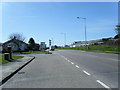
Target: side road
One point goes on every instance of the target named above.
(9, 69)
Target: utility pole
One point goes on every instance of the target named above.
(85, 31)
(64, 38)
(49, 44)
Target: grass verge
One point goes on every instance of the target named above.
(14, 57)
(97, 48)
(30, 52)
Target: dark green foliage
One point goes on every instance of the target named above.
(116, 37)
(31, 44)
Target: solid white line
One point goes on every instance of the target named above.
(86, 72)
(77, 66)
(102, 84)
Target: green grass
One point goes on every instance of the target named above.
(14, 57)
(97, 48)
(31, 52)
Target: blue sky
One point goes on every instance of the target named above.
(47, 20)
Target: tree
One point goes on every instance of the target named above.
(36, 47)
(118, 28)
(17, 36)
(31, 44)
(117, 31)
(116, 37)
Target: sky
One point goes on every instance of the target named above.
(49, 20)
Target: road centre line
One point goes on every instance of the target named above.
(68, 60)
(64, 58)
(86, 72)
(72, 63)
(102, 84)
(77, 66)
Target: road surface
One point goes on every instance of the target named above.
(68, 69)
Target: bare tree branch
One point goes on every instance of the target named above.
(17, 36)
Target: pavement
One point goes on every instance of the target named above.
(7, 69)
(68, 69)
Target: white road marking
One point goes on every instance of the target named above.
(77, 66)
(102, 84)
(86, 72)
(68, 60)
(72, 63)
(64, 58)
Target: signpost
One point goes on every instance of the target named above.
(10, 51)
(49, 44)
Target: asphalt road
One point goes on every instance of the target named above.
(68, 69)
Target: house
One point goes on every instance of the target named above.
(0, 46)
(42, 46)
(17, 45)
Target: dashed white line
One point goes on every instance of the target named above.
(102, 84)
(86, 72)
(72, 63)
(77, 66)
(68, 60)
(64, 58)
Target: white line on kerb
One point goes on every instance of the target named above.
(102, 84)
(77, 66)
(86, 72)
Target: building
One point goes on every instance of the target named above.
(78, 44)
(84, 43)
(17, 45)
(0, 46)
(42, 46)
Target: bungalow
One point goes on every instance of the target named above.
(16, 45)
(0, 46)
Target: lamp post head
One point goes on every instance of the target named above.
(83, 18)
(80, 18)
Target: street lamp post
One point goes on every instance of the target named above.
(64, 38)
(85, 28)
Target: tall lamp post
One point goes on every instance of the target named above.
(64, 38)
(85, 29)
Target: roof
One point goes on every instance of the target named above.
(14, 40)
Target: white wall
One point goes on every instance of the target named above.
(0, 48)
(42, 46)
